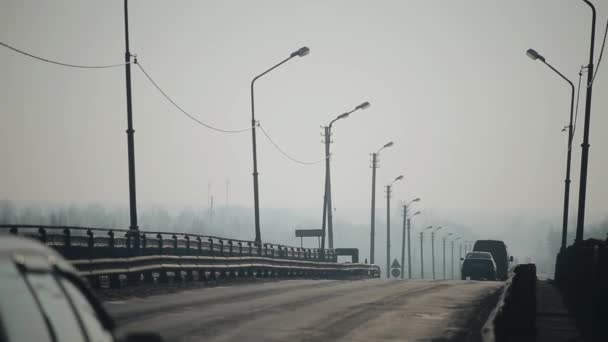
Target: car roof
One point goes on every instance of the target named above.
(31, 253)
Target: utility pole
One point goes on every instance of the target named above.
(133, 228)
(210, 203)
(409, 254)
(444, 276)
(421, 256)
(452, 242)
(460, 258)
(327, 225)
(433, 252)
(373, 214)
(330, 220)
(403, 242)
(388, 230)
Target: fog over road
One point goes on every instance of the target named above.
(315, 310)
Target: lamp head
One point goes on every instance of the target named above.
(398, 178)
(303, 51)
(417, 199)
(416, 213)
(535, 55)
(429, 227)
(389, 144)
(364, 105)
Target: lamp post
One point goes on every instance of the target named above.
(585, 146)
(256, 199)
(405, 221)
(388, 224)
(327, 207)
(373, 223)
(409, 249)
(456, 239)
(536, 56)
(422, 251)
(133, 227)
(444, 238)
(433, 249)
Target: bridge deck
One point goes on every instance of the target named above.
(304, 310)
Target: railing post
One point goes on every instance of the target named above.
(174, 237)
(67, 238)
(240, 248)
(42, 235)
(91, 239)
(187, 238)
(144, 242)
(111, 239)
(14, 230)
(210, 245)
(221, 247)
(230, 246)
(160, 243)
(199, 245)
(250, 248)
(128, 236)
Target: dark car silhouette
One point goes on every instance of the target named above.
(478, 266)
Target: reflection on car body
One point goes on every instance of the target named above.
(43, 299)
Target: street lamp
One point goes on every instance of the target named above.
(405, 222)
(456, 239)
(258, 238)
(373, 223)
(327, 207)
(422, 251)
(409, 253)
(536, 56)
(585, 145)
(433, 249)
(388, 223)
(444, 239)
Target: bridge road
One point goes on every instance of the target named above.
(315, 310)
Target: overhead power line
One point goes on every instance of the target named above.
(62, 63)
(192, 117)
(285, 153)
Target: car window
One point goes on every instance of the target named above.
(95, 330)
(21, 316)
(57, 307)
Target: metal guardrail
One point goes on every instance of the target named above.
(101, 252)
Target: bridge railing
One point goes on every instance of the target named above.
(102, 252)
(103, 242)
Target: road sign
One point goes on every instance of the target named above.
(396, 264)
(309, 232)
(395, 272)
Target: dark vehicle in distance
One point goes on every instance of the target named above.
(478, 266)
(498, 249)
(44, 299)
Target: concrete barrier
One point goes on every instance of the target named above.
(513, 319)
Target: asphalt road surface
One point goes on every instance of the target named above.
(315, 310)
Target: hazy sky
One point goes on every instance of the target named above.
(476, 123)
